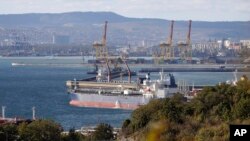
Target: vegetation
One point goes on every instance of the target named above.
(8, 132)
(40, 130)
(73, 136)
(206, 117)
(103, 132)
(47, 130)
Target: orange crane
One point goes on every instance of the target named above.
(185, 47)
(101, 48)
(189, 33)
(167, 50)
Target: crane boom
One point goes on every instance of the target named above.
(171, 33)
(189, 33)
(105, 34)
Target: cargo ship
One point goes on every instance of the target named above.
(103, 92)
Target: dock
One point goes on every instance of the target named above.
(144, 70)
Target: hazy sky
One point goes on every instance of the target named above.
(209, 10)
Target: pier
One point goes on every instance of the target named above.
(187, 70)
(195, 68)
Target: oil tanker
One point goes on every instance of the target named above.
(103, 92)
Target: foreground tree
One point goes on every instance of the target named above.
(40, 130)
(73, 136)
(8, 132)
(103, 132)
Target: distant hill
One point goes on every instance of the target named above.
(124, 27)
(35, 19)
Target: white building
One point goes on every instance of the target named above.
(245, 43)
(227, 43)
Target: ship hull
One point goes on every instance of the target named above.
(108, 101)
(102, 105)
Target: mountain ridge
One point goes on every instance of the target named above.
(81, 17)
(122, 27)
(109, 12)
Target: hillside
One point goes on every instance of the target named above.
(49, 19)
(121, 29)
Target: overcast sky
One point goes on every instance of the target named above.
(205, 10)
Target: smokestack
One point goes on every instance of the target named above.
(3, 112)
(34, 113)
(75, 84)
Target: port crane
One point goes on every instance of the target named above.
(100, 47)
(185, 47)
(167, 50)
(156, 56)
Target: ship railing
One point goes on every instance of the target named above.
(97, 90)
(116, 81)
(107, 92)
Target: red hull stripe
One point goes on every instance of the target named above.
(103, 105)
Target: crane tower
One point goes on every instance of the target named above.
(167, 50)
(100, 47)
(185, 49)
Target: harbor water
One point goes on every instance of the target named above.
(40, 83)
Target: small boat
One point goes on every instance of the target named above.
(17, 64)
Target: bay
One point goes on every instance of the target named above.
(42, 84)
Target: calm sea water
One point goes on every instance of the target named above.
(42, 84)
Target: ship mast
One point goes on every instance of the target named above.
(109, 72)
(129, 71)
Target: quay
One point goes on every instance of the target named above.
(194, 69)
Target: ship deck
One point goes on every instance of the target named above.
(103, 84)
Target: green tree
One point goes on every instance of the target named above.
(218, 132)
(141, 116)
(103, 132)
(8, 132)
(126, 127)
(172, 109)
(126, 123)
(242, 109)
(40, 130)
(72, 136)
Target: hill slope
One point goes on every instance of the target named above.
(123, 28)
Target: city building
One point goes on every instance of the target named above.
(61, 39)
